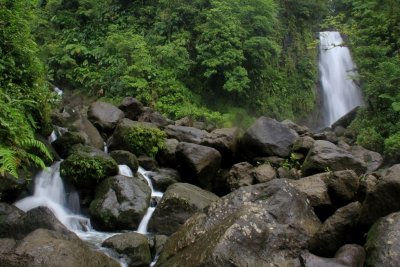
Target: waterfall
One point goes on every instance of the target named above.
(155, 196)
(339, 92)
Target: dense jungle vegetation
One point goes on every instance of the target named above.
(219, 60)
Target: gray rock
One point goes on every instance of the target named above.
(148, 163)
(337, 230)
(226, 141)
(50, 249)
(326, 135)
(14, 223)
(325, 156)
(123, 157)
(151, 116)
(132, 108)
(346, 119)
(343, 186)
(104, 116)
(373, 160)
(162, 178)
(300, 129)
(383, 199)
(185, 134)
(239, 175)
(7, 245)
(158, 243)
(266, 224)
(66, 141)
(178, 203)
(263, 173)
(166, 157)
(89, 132)
(133, 245)
(349, 255)
(383, 242)
(120, 203)
(303, 144)
(267, 137)
(197, 164)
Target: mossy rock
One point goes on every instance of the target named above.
(123, 157)
(87, 167)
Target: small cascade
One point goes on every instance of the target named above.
(58, 91)
(105, 148)
(339, 92)
(125, 170)
(155, 196)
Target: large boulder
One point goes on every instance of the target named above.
(373, 159)
(162, 178)
(226, 141)
(65, 142)
(178, 203)
(132, 108)
(166, 157)
(266, 224)
(123, 157)
(326, 156)
(104, 116)
(337, 230)
(197, 164)
(52, 249)
(383, 198)
(268, 137)
(86, 167)
(263, 173)
(383, 242)
(134, 246)
(343, 186)
(120, 203)
(239, 175)
(185, 134)
(350, 255)
(11, 187)
(154, 117)
(14, 223)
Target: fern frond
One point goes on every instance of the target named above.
(28, 143)
(9, 161)
(32, 158)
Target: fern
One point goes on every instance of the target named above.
(8, 161)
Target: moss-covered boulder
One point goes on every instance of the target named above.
(86, 167)
(66, 141)
(180, 201)
(134, 246)
(140, 138)
(123, 157)
(120, 203)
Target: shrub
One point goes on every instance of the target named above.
(144, 140)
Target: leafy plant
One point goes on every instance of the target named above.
(144, 140)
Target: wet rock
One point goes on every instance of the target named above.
(133, 245)
(373, 160)
(166, 157)
(148, 163)
(66, 141)
(178, 203)
(162, 178)
(303, 144)
(383, 199)
(132, 108)
(267, 137)
(104, 116)
(263, 173)
(86, 167)
(325, 156)
(120, 203)
(226, 141)
(185, 134)
(266, 224)
(337, 230)
(343, 186)
(346, 119)
(197, 164)
(50, 249)
(383, 242)
(153, 117)
(14, 223)
(239, 175)
(11, 187)
(123, 157)
(158, 244)
(349, 255)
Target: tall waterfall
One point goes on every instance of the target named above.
(339, 92)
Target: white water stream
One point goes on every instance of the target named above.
(340, 93)
(49, 191)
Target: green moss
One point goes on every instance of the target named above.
(144, 140)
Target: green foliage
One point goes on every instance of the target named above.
(144, 140)
(373, 31)
(24, 97)
(392, 145)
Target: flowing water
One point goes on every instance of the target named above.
(340, 94)
(49, 191)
